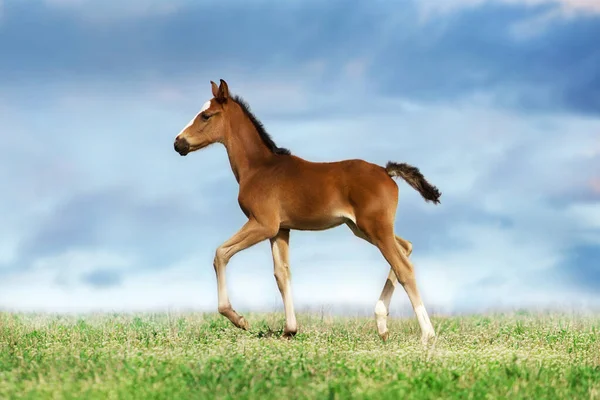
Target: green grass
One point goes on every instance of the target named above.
(151, 356)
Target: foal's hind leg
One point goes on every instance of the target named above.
(251, 233)
(405, 244)
(382, 308)
(381, 234)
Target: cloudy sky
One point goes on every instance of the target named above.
(497, 102)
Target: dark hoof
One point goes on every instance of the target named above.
(288, 334)
(243, 324)
(385, 336)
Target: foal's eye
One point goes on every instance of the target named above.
(205, 117)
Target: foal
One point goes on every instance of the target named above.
(279, 192)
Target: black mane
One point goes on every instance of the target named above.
(266, 138)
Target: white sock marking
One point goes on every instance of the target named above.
(380, 308)
(423, 319)
(381, 317)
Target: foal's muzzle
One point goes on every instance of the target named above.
(181, 146)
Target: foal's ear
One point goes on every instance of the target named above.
(215, 89)
(223, 94)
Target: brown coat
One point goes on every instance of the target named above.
(279, 192)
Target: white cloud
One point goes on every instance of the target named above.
(106, 11)
(567, 7)
(583, 5)
(587, 214)
(495, 162)
(8, 249)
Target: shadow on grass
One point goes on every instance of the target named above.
(263, 330)
(267, 332)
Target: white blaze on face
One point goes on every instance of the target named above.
(205, 107)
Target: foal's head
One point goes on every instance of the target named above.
(208, 126)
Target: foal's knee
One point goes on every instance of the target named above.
(220, 257)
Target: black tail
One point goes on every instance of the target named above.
(414, 178)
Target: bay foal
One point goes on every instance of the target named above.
(279, 192)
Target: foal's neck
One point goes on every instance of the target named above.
(245, 148)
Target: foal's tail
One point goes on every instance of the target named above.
(414, 178)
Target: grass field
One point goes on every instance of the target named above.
(150, 356)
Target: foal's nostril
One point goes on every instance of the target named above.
(181, 146)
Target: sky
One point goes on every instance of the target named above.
(497, 102)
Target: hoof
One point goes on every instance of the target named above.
(384, 336)
(288, 334)
(243, 324)
(427, 338)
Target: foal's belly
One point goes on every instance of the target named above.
(316, 221)
(313, 197)
(313, 225)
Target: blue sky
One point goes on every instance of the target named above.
(497, 102)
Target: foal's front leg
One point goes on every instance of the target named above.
(251, 233)
(281, 262)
